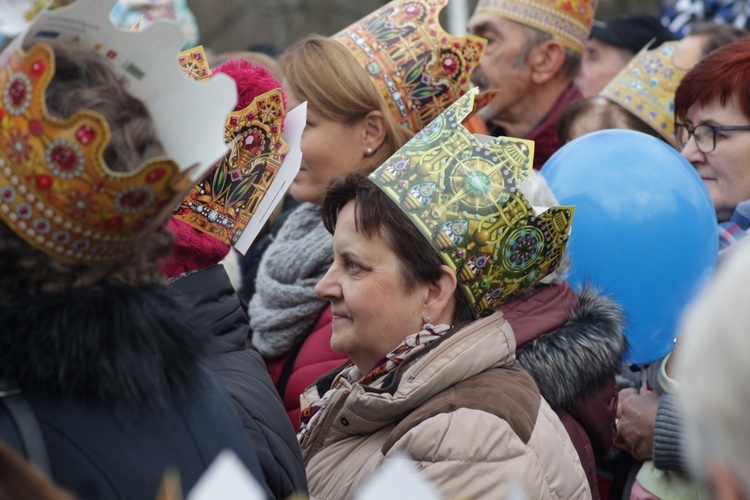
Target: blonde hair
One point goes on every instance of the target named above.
(324, 73)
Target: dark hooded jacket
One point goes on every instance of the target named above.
(212, 298)
(572, 345)
(114, 378)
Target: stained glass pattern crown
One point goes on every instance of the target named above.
(223, 203)
(56, 190)
(418, 68)
(463, 197)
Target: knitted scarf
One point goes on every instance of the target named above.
(284, 308)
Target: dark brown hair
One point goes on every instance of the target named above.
(376, 214)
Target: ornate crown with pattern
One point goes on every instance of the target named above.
(566, 20)
(223, 203)
(646, 87)
(418, 68)
(56, 190)
(463, 197)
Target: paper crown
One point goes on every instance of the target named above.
(56, 191)
(646, 88)
(223, 203)
(463, 197)
(566, 20)
(417, 67)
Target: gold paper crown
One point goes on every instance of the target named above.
(463, 197)
(646, 88)
(56, 191)
(223, 203)
(566, 20)
(417, 67)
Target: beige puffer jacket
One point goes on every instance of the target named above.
(473, 422)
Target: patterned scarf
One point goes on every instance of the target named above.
(380, 376)
(733, 230)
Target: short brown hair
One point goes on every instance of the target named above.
(606, 115)
(86, 81)
(376, 214)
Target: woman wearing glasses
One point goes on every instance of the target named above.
(712, 128)
(712, 110)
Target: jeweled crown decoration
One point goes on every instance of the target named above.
(418, 68)
(463, 197)
(566, 20)
(56, 191)
(646, 87)
(223, 203)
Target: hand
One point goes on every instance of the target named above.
(636, 418)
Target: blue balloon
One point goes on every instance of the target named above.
(644, 229)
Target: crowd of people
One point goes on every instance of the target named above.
(408, 298)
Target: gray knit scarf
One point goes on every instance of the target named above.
(284, 307)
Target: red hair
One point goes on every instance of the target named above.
(723, 74)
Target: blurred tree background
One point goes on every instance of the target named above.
(232, 25)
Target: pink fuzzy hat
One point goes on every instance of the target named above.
(193, 249)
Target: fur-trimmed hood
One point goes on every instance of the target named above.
(117, 347)
(579, 355)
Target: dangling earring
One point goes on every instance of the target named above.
(428, 325)
(369, 152)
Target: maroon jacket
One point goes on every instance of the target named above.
(295, 371)
(572, 345)
(544, 135)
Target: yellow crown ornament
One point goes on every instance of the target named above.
(463, 196)
(56, 191)
(418, 68)
(566, 20)
(223, 203)
(646, 87)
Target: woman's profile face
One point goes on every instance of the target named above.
(726, 170)
(329, 149)
(372, 311)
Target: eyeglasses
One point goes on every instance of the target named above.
(705, 135)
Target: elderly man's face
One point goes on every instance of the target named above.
(502, 66)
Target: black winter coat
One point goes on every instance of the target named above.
(118, 390)
(212, 298)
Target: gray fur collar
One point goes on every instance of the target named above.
(579, 356)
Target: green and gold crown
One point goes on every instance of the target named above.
(56, 190)
(418, 68)
(463, 196)
(223, 203)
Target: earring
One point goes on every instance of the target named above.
(369, 152)
(428, 325)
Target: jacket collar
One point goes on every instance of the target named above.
(117, 347)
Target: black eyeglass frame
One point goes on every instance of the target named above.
(714, 130)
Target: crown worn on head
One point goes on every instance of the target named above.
(463, 197)
(418, 68)
(646, 87)
(223, 203)
(566, 20)
(56, 191)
